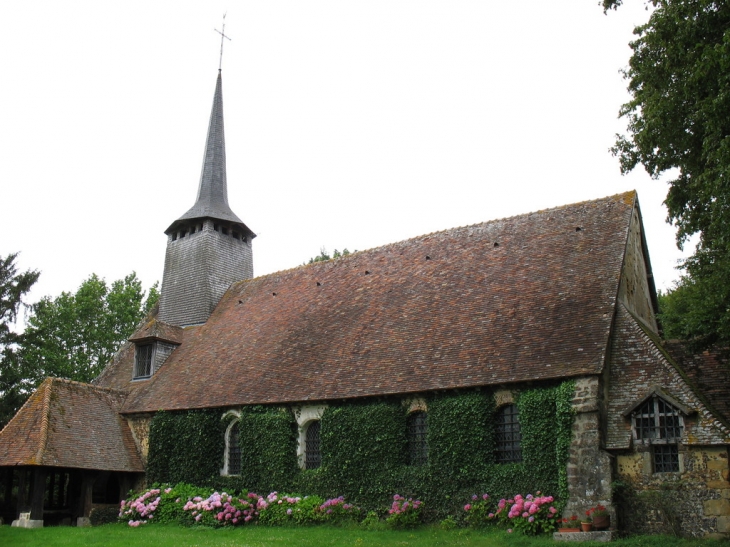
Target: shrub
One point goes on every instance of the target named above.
(278, 510)
(103, 515)
(404, 513)
(531, 515)
(222, 509)
(337, 511)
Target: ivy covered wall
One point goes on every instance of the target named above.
(186, 446)
(364, 449)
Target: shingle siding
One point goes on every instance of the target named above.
(199, 268)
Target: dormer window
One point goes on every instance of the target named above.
(143, 361)
(150, 356)
(658, 421)
(153, 345)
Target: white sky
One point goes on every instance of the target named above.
(348, 124)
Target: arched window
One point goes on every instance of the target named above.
(508, 437)
(417, 446)
(312, 453)
(234, 449)
(232, 438)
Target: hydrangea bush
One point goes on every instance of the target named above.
(530, 514)
(185, 504)
(404, 513)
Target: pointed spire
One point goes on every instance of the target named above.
(212, 201)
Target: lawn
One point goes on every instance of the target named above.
(121, 535)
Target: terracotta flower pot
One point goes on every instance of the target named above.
(602, 523)
(586, 526)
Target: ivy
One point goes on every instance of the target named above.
(268, 438)
(364, 450)
(185, 446)
(460, 437)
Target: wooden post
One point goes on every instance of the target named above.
(87, 488)
(22, 506)
(39, 493)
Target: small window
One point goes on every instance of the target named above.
(417, 431)
(660, 424)
(234, 449)
(312, 453)
(143, 361)
(666, 458)
(508, 436)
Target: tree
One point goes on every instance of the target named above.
(75, 335)
(679, 124)
(13, 288)
(324, 255)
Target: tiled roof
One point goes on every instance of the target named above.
(524, 298)
(157, 330)
(709, 371)
(69, 424)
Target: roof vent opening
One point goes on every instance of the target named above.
(367, 272)
(273, 294)
(240, 301)
(578, 228)
(319, 284)
(496, 244)
(428, 257)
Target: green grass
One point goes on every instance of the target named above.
(121, 535)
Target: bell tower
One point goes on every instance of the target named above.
(208, 247)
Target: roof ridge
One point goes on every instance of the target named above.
(628, 197)
(90, 385)
(45, 419)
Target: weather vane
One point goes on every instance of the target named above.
(223, 35)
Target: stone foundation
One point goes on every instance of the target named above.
(694, 502)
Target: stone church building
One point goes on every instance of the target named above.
(499, 307)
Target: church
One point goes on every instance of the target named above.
(522, 353)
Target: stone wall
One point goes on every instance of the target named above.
(589, 466)
(694, 502)
(139, 424)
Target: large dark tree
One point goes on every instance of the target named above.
(679, 126)
(13, 288)
(76, 334)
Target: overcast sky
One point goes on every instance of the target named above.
(348, 124)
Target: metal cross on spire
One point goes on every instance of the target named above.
(223, 35)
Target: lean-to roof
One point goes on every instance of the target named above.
(70, 424)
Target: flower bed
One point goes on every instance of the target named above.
(530, 514)
(184, 504)
(188, 505)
